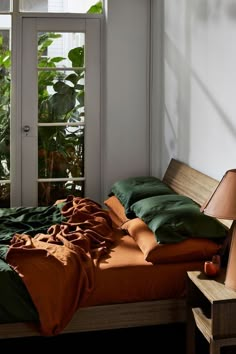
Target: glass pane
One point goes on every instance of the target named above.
(61, 77)
(61, 100)
(49, 192)
(5, 5)
(61, 152)
(54, 49)
(61, 81)
(70, 6)
(5, 87)
(4, 195)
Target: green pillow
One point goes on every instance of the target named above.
(174, 218)
(132, 189)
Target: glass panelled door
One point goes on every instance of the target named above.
(60, 110)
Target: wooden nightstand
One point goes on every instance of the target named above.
(211, 307)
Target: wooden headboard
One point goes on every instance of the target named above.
(187, 181)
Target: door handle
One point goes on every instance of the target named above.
(26, 128)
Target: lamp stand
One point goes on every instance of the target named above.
(230, 279)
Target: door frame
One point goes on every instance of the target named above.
(24, 58)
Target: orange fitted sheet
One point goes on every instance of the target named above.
(126, 277)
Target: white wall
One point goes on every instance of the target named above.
(192, 82)
(156, 86)
(125, 128)
(199, 68)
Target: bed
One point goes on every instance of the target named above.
(126, 286)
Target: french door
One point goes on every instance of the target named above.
(55, 123)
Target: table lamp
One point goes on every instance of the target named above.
(222, 205)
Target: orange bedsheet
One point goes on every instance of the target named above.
(125, 276)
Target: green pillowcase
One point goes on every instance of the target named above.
(174, 218)
(132, 189)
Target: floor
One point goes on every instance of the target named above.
(161, 339)
(166, 339)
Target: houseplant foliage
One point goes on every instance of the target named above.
(60, 100)
(5, 82)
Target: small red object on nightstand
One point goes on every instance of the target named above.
(212, 268)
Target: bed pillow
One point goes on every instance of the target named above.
(133, 189)
(174, 218)
(116, 210)
(189, 250)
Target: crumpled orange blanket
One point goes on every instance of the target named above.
(58, 267)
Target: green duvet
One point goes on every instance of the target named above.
(15, 301)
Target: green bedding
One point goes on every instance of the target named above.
(133, 189)
(29, 220)
(174, 218)
(15, 302)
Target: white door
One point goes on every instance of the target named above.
(58, 115)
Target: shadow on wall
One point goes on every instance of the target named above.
(231, 10)
(180, 65)
(205, 10)
(176, 63)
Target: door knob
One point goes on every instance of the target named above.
(26, 128)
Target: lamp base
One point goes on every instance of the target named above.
(230, 279)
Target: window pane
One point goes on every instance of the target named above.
(58, 45)
(5, 5)
(59, 100)
(5, 87)
(4, 195)
(70, 6)
(50, 192)
(61, 77)
(61, 152)
(61, 80)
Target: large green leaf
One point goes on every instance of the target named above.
(96, 9)
(63, 101)
(72, 78)
(76, 56)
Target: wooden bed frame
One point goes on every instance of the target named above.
(183, 180)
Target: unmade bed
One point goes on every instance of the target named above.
(126, 278)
